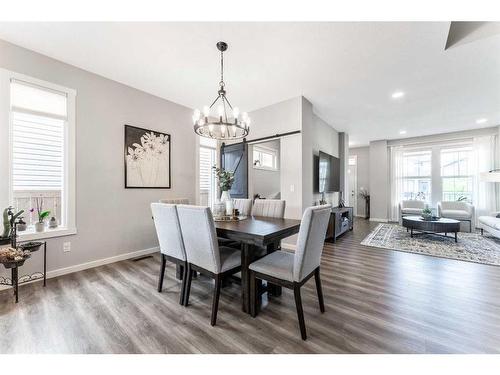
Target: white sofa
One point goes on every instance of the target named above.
(490, 223)
(461, 211)
(410, 208)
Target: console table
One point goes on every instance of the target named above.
(341, 221)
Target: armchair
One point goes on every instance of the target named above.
(461, 211)
(411, 207)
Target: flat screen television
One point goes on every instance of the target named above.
(327, 173)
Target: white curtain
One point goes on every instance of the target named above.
(396, 177)
(485, 154)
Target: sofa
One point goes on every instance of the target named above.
(490, 223)
(458, 210)
(410, 208)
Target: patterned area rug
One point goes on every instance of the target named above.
(471, 247)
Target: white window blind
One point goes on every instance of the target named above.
(38, 121)
(206, 163)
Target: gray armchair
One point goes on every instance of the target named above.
(461, 211)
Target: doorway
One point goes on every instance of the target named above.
(264, 170)
(352, 181)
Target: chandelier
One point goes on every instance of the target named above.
(226, 122)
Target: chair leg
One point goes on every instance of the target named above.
(183, 285)
(253, 294)
(162, 272)
(189, 276)
(215, 300)
(319, 290)
(300, 311)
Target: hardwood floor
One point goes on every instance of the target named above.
(376, 300)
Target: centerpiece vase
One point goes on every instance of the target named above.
(225, 196)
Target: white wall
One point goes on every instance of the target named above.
(262, 181)
(363, 174)
(110, 219)
(379, 177)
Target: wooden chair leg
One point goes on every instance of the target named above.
(162, 272)
(189, 275)
(183, 285)
(253, 294)
(215, 300)
(319, 290)
(300, 311)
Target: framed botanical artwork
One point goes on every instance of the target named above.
(147, 159)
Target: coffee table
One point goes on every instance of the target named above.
(434, 227)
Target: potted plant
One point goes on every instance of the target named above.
(42, 215)
(427, 213)
(226, 180)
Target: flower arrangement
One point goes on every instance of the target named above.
(363, 193)
(147, 158)
(225, 178)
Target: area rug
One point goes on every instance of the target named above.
(471, 247)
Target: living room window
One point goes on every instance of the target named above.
(207, 187)
(456, 174)
(41, 152)
(417, 175)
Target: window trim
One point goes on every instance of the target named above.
(267, 150)
(68, 196)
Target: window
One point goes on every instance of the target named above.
(208, 190)
(41, 151)
(417, 175)
(265, 158)
(456, 174)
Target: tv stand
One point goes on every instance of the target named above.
(341, 221)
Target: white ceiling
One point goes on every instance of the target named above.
(347, 70)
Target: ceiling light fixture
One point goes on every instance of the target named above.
(221, 125)
(402, 132)
(398, 94)
(481, 121)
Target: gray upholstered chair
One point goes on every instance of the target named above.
(411, 207)
(244, 206)
(461, 211)
(203, 252)
(269, 208)
(293, 270)
(169, 235)
(175, 201)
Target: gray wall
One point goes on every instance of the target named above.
(110, 219)
(363, 174)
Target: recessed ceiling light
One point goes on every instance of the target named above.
(481, 120)
(398, 94)
(402, 132)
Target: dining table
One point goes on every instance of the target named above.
(257, 236)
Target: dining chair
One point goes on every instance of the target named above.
(169, 234)
(204, 253)
(244, 206)
(292, 270)
(175, 201)
(269, 208)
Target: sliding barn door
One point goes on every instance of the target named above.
(235, 158)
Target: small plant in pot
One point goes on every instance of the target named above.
(427, 213)
(42, 215)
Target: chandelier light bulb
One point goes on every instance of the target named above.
(195, 119)
(233, 128)
(236, 112)
(206, 111)
(196, 113)
(210, 128)
(248, 121)
(223, 130)
(220, 110)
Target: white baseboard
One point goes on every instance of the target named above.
(378, 220)
(95, 263)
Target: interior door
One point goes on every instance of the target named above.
(353, 188)
(235, 158)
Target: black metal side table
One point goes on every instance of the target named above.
(15, 280)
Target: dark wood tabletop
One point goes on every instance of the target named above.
(255, 230)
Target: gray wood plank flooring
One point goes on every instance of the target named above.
(377, 301)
